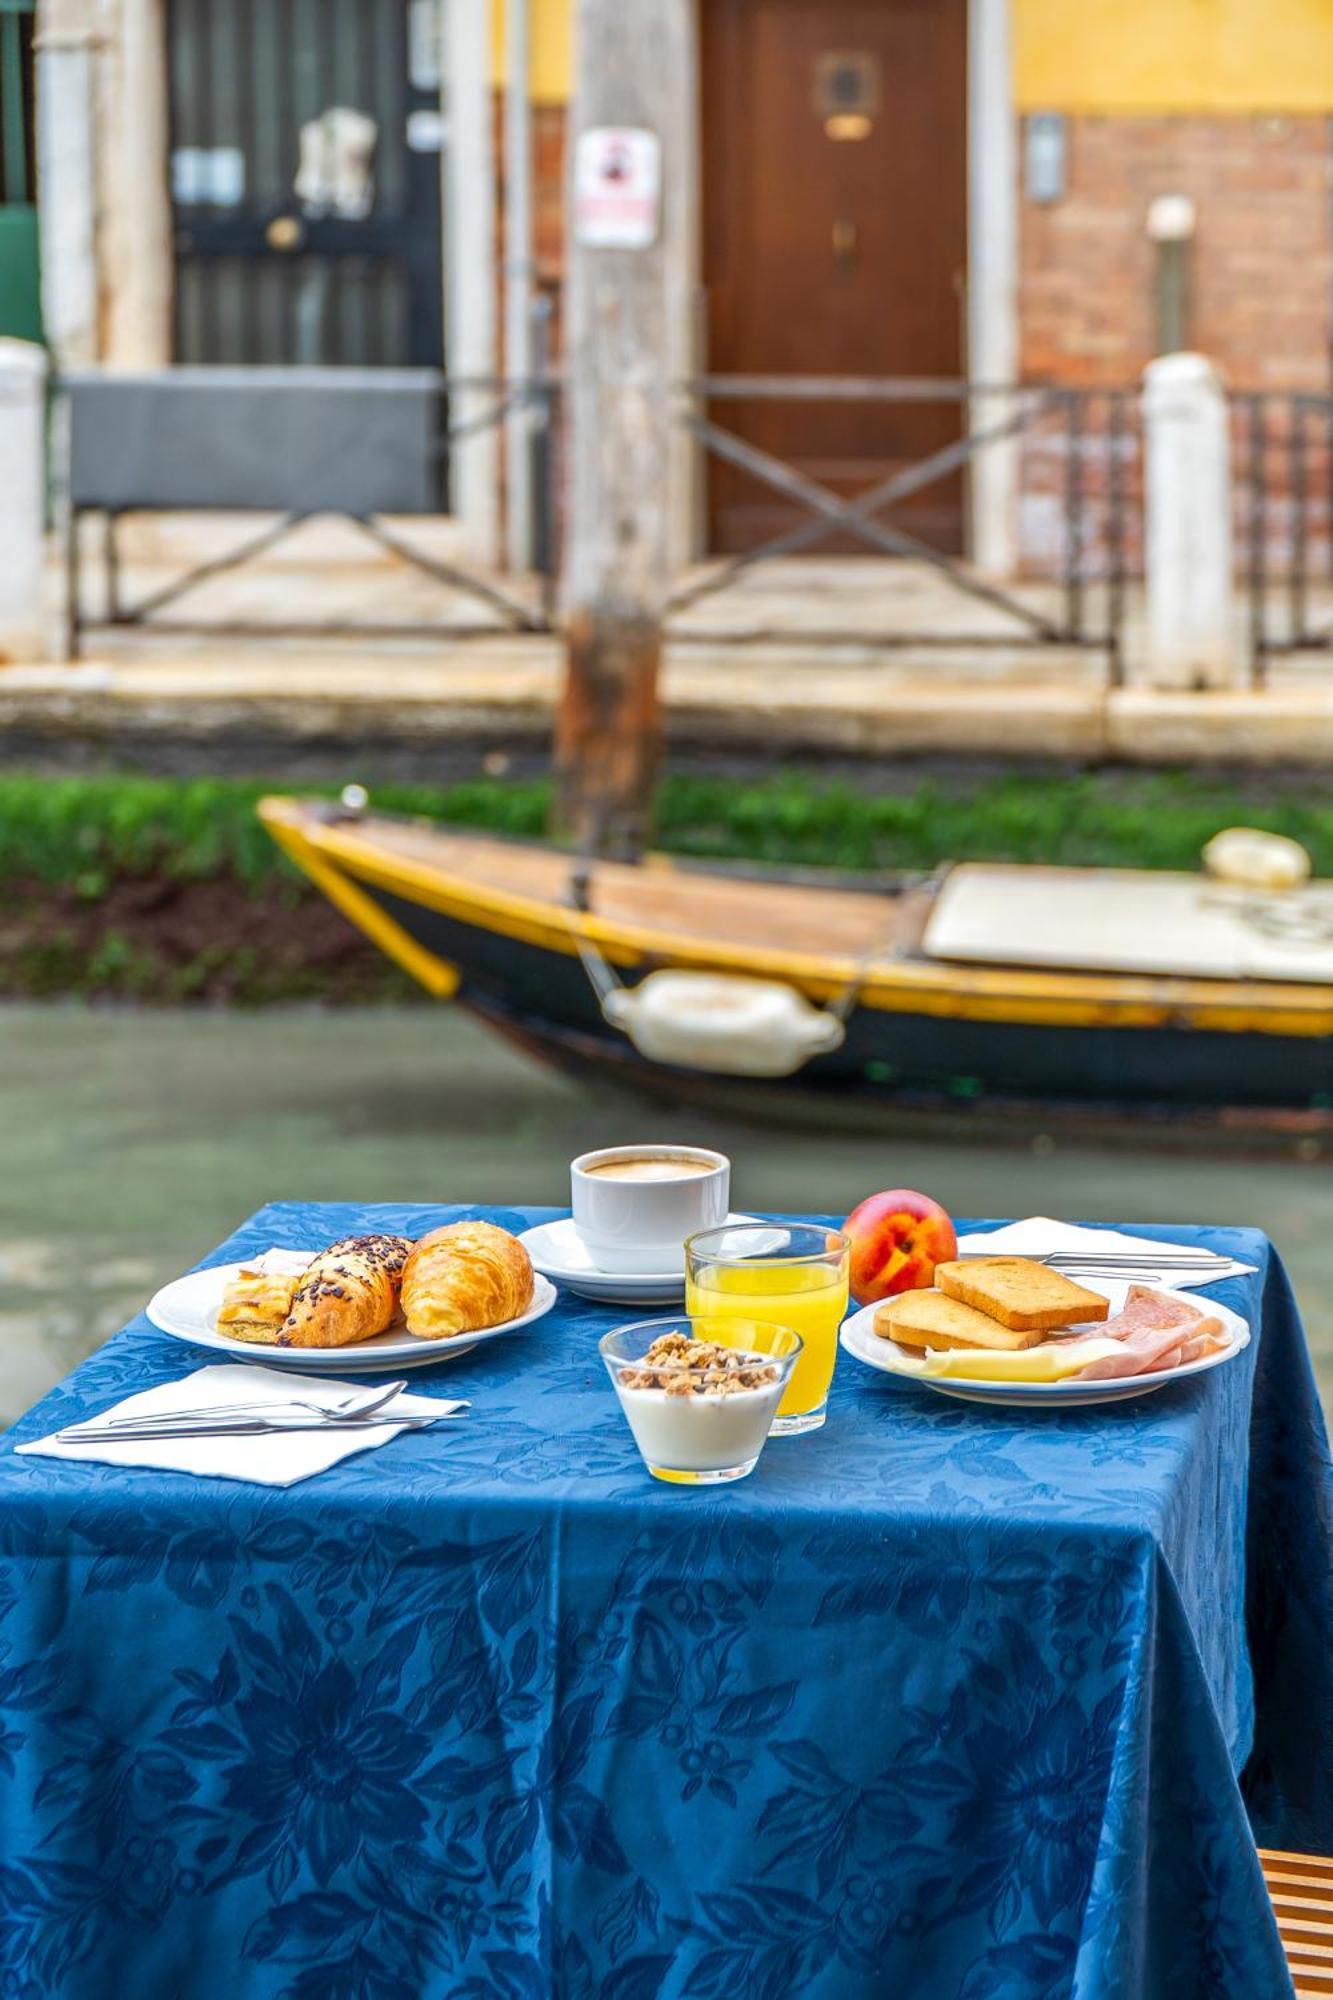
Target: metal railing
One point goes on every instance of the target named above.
(538, 399)
(1284, 444)
(1093, 433)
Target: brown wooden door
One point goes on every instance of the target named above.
(835, 241)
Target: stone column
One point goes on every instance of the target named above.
(992, 280)
(22, 498)
(67, 174)
(138, 258)
(468, 165)
(1189, 635)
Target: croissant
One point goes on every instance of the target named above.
(464, 1277)
(349, 1293)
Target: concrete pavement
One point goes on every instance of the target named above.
(790, 657)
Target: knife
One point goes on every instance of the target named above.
(257, 1427)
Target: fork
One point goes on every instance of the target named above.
(258, 1427)
(355, 1407)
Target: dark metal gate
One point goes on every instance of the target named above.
(341, 272)
(1285, 447)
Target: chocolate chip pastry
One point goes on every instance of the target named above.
(349, 1293)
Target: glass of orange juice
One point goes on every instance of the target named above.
(790, 1274)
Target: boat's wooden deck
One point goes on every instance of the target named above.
(672, 897)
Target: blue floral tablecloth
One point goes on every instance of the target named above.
(940, 1702)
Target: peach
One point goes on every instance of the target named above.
(897, 1240)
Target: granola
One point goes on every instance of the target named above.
(685, 1367)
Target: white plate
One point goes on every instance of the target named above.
(557, 1250)
(858, 1336)
(188, 1307)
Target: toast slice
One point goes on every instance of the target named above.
(930, 1319)
(1020, 1293)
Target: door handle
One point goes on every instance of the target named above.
(846, 241)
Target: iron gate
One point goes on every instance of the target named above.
(1285, 524)
(344, 271)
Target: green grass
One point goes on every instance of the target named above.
(87, 832)
(85, 862)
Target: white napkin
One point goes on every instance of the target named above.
(272, 1460)
(1039, 1235)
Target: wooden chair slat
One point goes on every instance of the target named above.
(1300, 1887)
(1302, 1927)
(1311, 1864)
(1296, 1870)
(1310, 1885)
(1308, 1951)
(1313, 1906)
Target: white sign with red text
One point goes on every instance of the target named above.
(617, 187)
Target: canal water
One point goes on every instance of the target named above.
(130, 1143)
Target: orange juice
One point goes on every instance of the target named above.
(811, 1298)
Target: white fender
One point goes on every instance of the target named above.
(723, 1023)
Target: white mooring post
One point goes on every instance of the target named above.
(1189, 635)
(22, 498)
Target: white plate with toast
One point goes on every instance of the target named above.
(909, 1363)
(187, 1309)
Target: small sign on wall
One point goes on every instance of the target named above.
(1045, 156)
(617, 187)
(208, 174)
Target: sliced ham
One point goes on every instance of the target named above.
(1155, 1333)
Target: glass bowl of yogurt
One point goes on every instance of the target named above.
(700, 1394)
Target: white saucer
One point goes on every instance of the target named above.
(187, 1309)
(859, 1338)
(558, 1251)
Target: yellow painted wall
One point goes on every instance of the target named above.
(1095, 55)
(550, 24)
(1174, 55)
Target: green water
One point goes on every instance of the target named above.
(131, 1143)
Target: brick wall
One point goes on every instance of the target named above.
(1262, 260)
(1262, 296)
(1262, 278)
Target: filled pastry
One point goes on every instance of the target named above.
(464, 1278)
(349, 1293)
(258, 1299)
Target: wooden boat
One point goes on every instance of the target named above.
(1078, 985)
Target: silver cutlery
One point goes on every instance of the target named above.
(1117, 1262)
(253, 1427)
(257, 1429)
(360, 1405)
(1131, 1266)
(1196, 1260)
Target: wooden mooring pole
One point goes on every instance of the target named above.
(631, 126)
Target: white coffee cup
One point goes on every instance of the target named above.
(635, 1205)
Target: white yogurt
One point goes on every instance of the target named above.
(700, 1433)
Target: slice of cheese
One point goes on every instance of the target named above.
(1053, 1361)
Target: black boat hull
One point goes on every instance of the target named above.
(544, 997)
